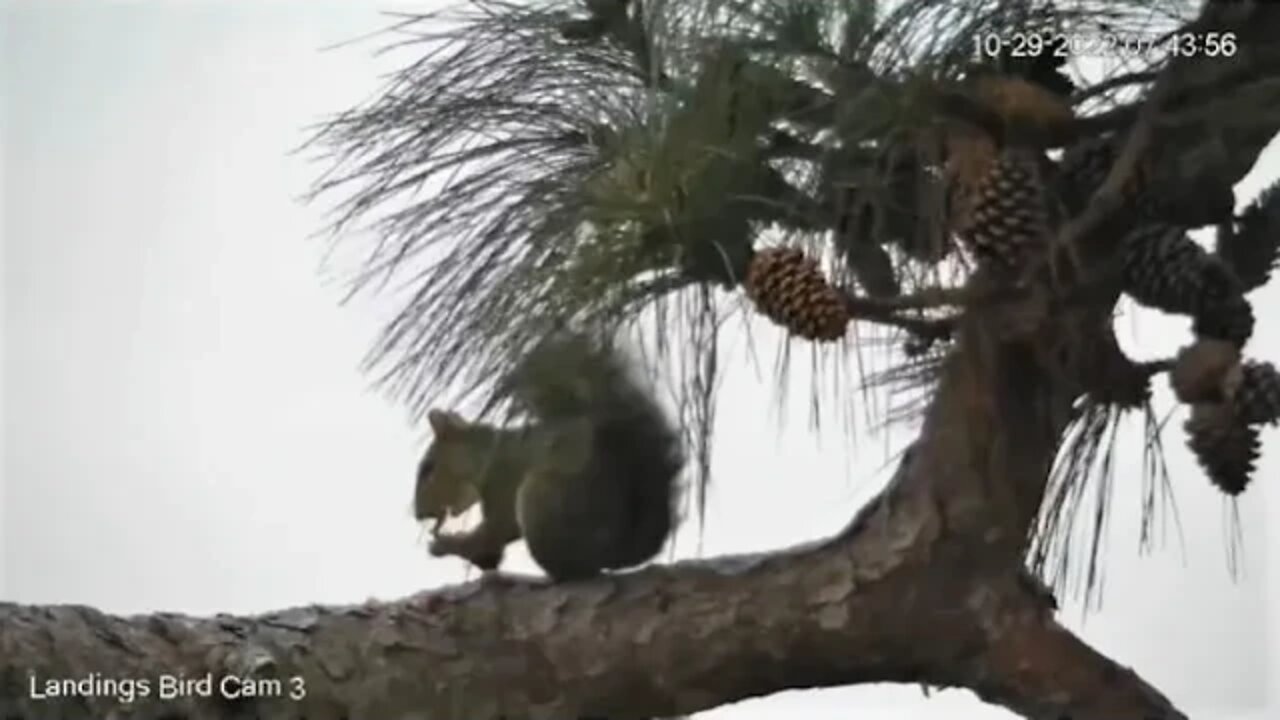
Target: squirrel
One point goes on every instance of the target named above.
(591, 483)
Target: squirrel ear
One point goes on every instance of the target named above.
(444, 422)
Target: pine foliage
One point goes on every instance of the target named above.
(609, 163)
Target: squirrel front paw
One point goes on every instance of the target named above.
(443, 545)
(463, 546)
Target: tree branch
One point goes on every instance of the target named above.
(868, 607)
(892, 310)
(862, 308)
(1040, 670)
(930, 298)
(1114, 83)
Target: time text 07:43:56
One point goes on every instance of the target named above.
(1123, 45)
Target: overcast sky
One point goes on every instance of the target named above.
(185, 428)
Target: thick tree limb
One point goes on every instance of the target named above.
(867, 608)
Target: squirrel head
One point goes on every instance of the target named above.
(443, 487)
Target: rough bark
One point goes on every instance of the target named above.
(871, 607)
(926, 585)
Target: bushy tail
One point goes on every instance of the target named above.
(638, 447)
(621, 500)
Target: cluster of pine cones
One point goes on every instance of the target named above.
(1163, 268)
(1001, 213)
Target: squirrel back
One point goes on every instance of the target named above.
(597, 470)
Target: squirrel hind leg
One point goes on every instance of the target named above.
(564, 527)
(564, 556)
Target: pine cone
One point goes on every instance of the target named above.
(1007, 218)
(1165, 269)
(789, 288)
(1231, 320)
(1225, 446)
(1254, 391)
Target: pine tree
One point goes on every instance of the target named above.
(650, 164)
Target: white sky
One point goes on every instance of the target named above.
(185, 429)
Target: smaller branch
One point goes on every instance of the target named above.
(627, 31)
(1249, 103)
(1109, 198)
(924, 328)
(1094, 125)
(928, 298)
(891, 310)
(1197, 94)
(1110, 195)
(784, 144)
(1039, 669)
(1130, 78)
(1179, 89)
(634, 36)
